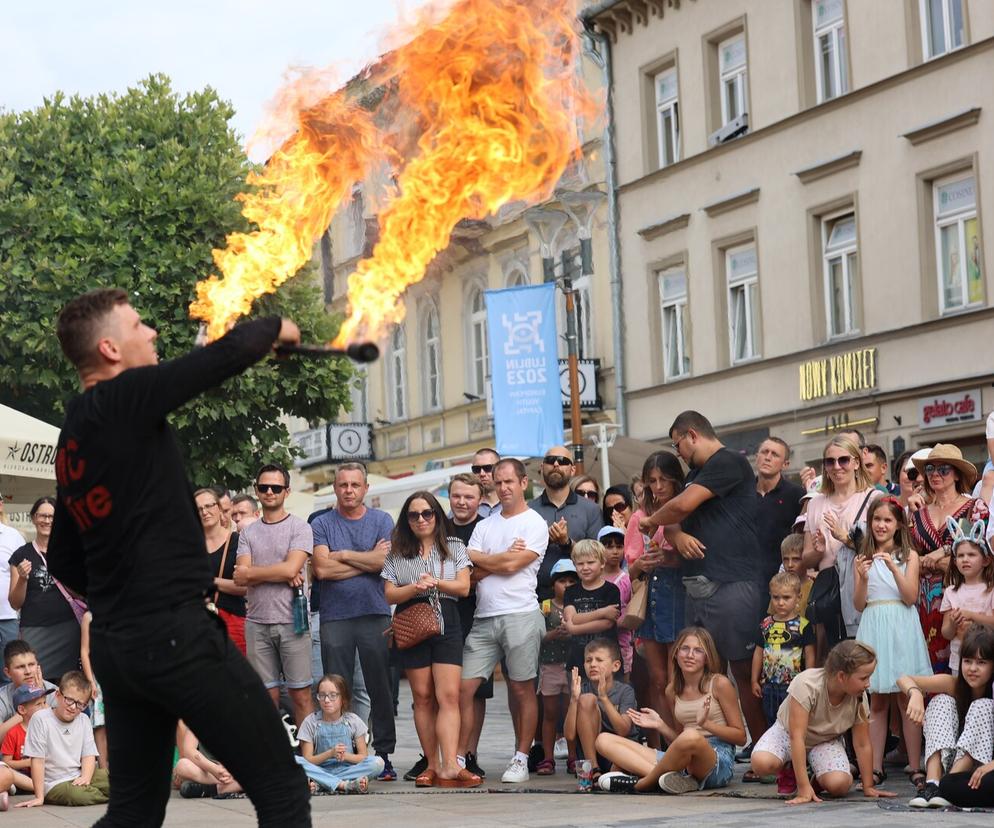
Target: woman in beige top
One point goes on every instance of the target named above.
(701, 753)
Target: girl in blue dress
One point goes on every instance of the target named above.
(886, 592)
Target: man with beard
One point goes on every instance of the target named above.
(570, 518)
(483, 465)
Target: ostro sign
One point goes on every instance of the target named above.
(838, 375)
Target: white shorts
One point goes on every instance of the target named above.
(824, 758)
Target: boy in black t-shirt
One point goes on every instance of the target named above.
(590, 608)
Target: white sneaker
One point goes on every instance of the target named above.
(517, 771)
(562, 749)
(674, 782)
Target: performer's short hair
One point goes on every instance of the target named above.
(80, 321)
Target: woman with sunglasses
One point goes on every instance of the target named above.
(425, 564)
(836, 522)
(585, 486)
(222, 547)
(48, 619)
(947, 481)
(617, 507)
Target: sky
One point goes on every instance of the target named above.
(239, 47)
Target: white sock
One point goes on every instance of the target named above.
(932, 782)
(521, 757)
(461, 761)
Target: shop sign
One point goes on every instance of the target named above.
(949, 409)
(838, 375)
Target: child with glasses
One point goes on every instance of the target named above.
(333, 742)
(63, 754)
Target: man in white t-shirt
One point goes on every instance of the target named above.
(506, 550)
(10, 541)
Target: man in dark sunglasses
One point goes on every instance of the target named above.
(483, 465)
(570, 517)
(126, 536)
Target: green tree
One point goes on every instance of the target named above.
(135, 190)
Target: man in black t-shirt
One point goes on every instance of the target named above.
(779, 502)
(466, 493)
(126, 536)
(712, 524)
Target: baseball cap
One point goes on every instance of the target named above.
(562, 567)
(26, 694)
(921, 454)
(813, 489)
(610, 530)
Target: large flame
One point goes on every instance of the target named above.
(481, 107)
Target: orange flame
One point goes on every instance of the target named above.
(483, 101)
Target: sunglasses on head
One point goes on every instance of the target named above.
(486, 467)
(266, 488)
(556, 460)
(943, 469)
(841, 462)
(426, 515)
(591, 493)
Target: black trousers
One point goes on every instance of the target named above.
(365, 633)
(181, 665)
(955, 788)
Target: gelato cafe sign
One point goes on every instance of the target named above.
(838, 375)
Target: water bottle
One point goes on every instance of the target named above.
(585, 778)
(301, 613)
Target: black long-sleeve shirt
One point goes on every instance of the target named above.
(126, 532)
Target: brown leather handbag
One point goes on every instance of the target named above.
(418, 621)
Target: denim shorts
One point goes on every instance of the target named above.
(724, 766)
(665, 613)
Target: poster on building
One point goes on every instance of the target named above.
(524, 369)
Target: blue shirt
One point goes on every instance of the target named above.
(363, 594)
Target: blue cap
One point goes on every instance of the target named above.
(562, 567)
(26, 694)
(610, 530)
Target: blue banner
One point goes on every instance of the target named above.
(524, 369)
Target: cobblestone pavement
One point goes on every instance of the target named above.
(543, 801)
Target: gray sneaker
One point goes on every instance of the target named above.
(675, 782)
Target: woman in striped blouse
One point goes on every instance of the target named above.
(424, 563)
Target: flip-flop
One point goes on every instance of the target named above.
(465, 779)
(428, 779)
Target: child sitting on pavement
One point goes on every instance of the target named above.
(20, 667)
(701, 752)
(197, 773)
(601, 705)
(553, 684)
(27, 700)
(591, 606)
(63, 754)
(333, 742)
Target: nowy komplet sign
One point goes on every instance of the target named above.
(949, 409)
(524, 369)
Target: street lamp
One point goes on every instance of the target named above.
(547, 224)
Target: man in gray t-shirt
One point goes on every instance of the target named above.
(272, 553)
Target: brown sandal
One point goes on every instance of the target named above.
(464, 779)
(427, 779)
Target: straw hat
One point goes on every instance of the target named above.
(950, 455)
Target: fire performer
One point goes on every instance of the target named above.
(126, 536)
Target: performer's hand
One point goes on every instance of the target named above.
(289, 334)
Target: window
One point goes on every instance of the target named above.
(830, 49)
(584, 319)
(355, 240)
(673, 294)
(397, 378)
(732, 66)
(957, 243)
(841, 273)
(942, 26)
(478, 342)
(517, 277)
(432, 358)
(667, 117)
(358, 396)
(743, 302)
